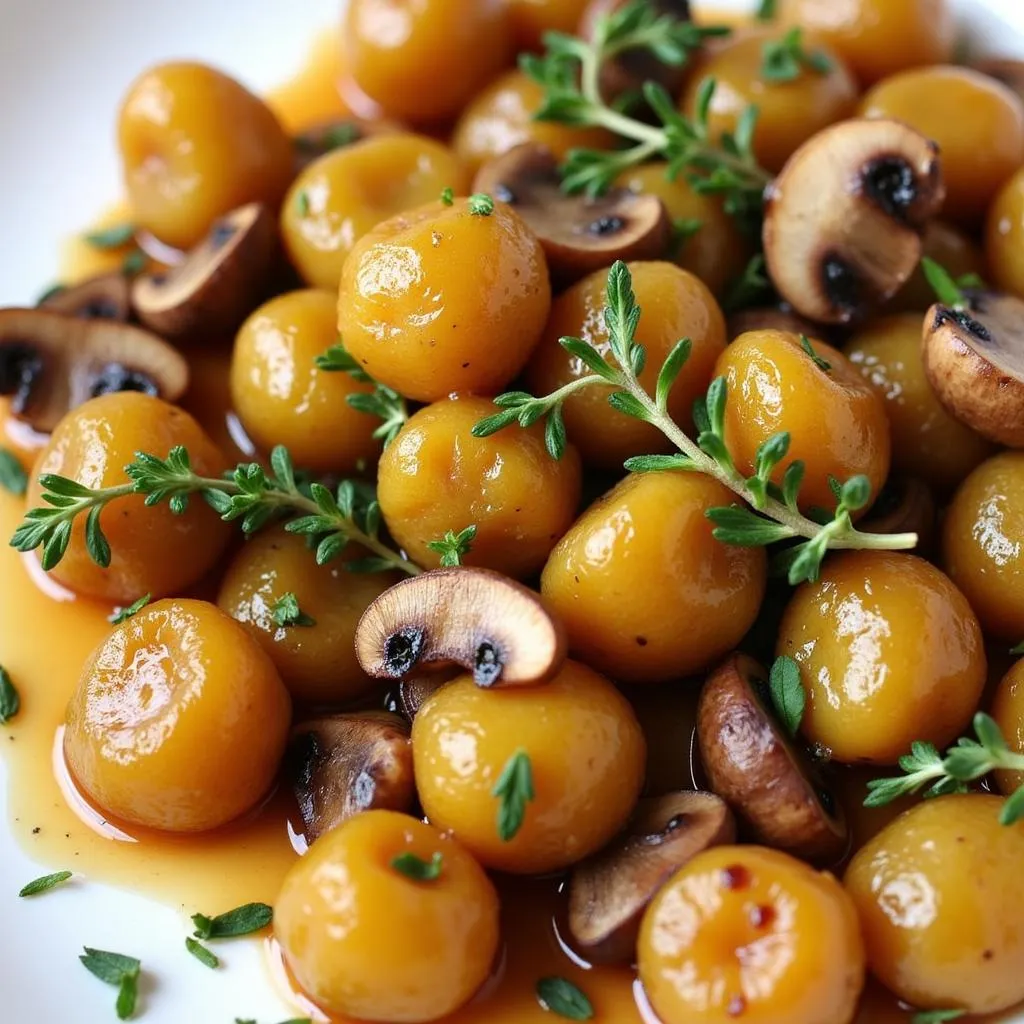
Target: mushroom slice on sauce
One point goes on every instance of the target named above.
(609, 892)
(843, 220)
(107, 297)
(219, 282)
(51, 362)
(492, 626)
(580, 234)
(340, 765)
(974, 360)
(758, 772)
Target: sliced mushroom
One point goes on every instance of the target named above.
(974, 360)
(488, 624)
(906, 505)
(1004, 69)
(609, 892)
(414, 691)
(340, 765)
(843, 220)
(219, 282)
(107, 297)
(758, 772)
(631, 69)
(51, 362)
(771, 318)
(579, 233)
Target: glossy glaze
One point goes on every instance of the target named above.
(949, 855)
(889, 653)
(927, 442)
(348, 191)
(646, 593)
(280, 395)
(441, 299)
(836, 423)
(1008, 711)
(585, 747)
(1004, 236)
(751, 934)
(983, 544)
(675, 305)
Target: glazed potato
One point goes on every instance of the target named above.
(889, 651)
(748, 933)
(436, 476)
(179, 721)
(584, 749)
(1008, 711)
(640, 563)
(195, 144)
(347, 915)
(940, 896)
(317, 661)
(153, 551)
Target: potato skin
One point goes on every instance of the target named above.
(179, 721)
(940, 897)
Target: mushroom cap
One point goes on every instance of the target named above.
(340, 765)
(218, 283)
(906, 505)
(51, 362)
(414, 690)
(751, 765)
(843, 220)
(579, 234)
(609, 892)
(106, 297)
(974, 360)
(494, 627)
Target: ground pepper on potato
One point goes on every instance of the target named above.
(599, 437)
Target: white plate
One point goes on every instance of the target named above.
(64, 65)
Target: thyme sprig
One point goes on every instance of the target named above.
(569, 73)
(251, 495)
(773, 514)
(967, 761)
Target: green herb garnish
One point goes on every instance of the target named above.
(936, 1016)
(117, 970)
(113, 237)
(776, 515)
(302, 202)
(44, 883)
(822, 364)
(134, 263)
(12, 477)
(967, 761)
(562, 997)
(1019, 649)
(751, 288)
(243, 920)
(683, 229)
(453, 547)
(10, 702)
(416, 868)
(52, 292)
(285, 611)
(787, 693)
(949, 290)
(514, 790)
(124, 614)
(448, 196)
(766, 10)
(205, 956)
(785, 59)
(480, 204)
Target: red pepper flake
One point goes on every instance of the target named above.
(735, 877)
(762, 916)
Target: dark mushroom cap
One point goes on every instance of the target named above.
(493, 627)
(414, 690)
(107, 297)
(51, 362)
(609, 892)
(580, 234)
(341, 765)
(906, 505)
(758, 772)
(219, 282)
(628, 72)
(843, 220)
(974, 360)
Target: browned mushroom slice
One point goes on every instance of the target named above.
(754, 768)
(771, 318)
(1004, 69)
(974, 360)
(906, 505)
(631, 69)
(579, 234)
(843, 220)
(414, 691)
(609, 892)
(340, 765)
(219, 282)
(107, 297)
(50, 363)
(488, 624)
